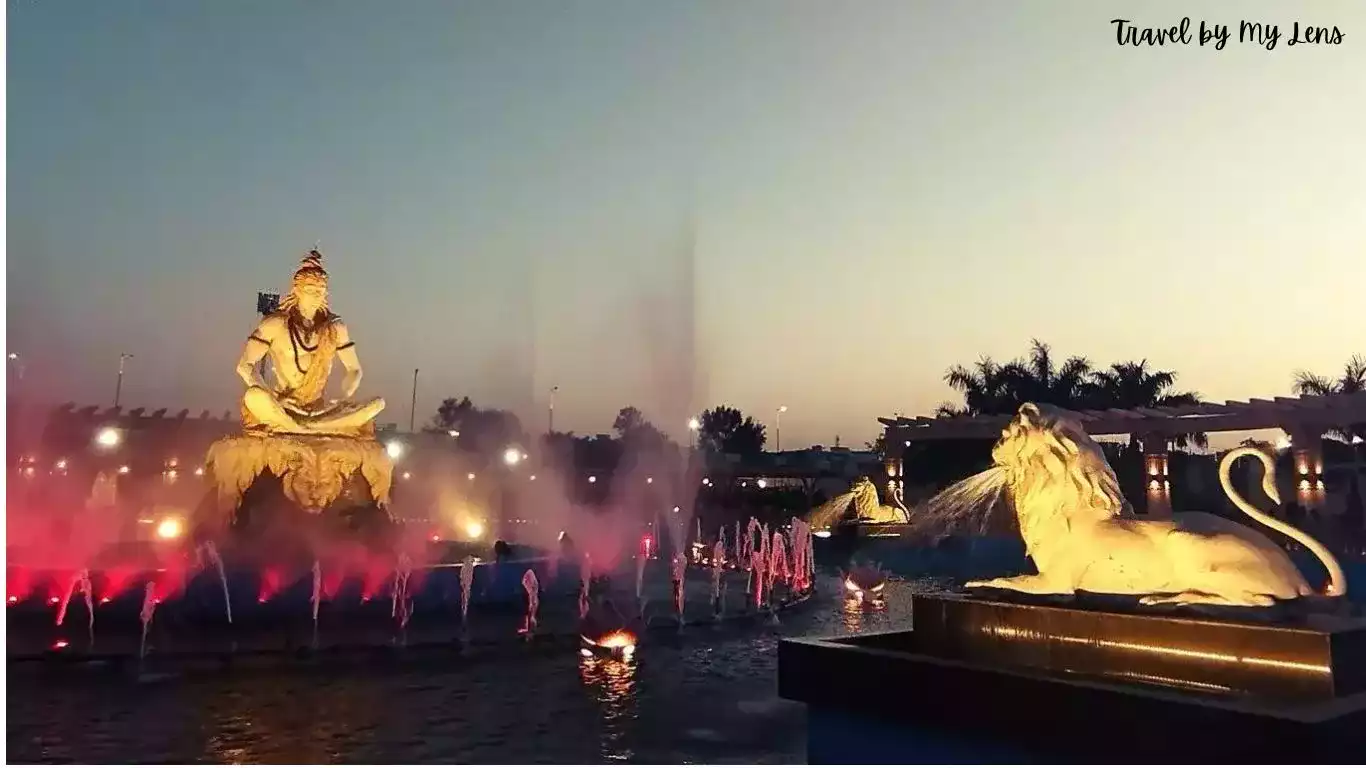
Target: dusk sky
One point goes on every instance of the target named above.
(675, 204)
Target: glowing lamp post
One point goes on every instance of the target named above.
(778, 427)
(108, 438)
(512, 457)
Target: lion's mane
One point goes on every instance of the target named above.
(1055, 468)
(866, 501)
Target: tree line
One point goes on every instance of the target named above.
(490, 431)
(989, 387)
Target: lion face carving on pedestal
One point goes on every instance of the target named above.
(1082, 536)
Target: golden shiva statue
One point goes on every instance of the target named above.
(316, 447)
(863, 499)
(1082, 537)
(302, 338)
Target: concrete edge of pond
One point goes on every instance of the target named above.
(895, 697)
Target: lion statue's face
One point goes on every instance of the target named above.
(1050, 460)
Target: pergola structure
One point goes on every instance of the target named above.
(1305, 419)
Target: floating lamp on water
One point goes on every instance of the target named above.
(865, 584)
(619, 644)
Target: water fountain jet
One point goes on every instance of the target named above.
(466, 584)
(211, 555)
(149, 607)
(532, 586)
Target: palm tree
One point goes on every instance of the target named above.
(1038, 379)
(1352, 381)
(986, 388)
(1131, 385)
(991, 388)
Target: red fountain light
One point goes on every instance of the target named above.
(270, 585)
(20, 583)
(333, 579)
(116, 581)
(374, 580)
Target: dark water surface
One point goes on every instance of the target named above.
(708, 696)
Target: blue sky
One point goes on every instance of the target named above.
(673, 204)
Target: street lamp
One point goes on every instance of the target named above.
(394, 449)
(550, 422)
(118, 387)
(693, 426)
(778, 424)
(512, 456)
(18, 364)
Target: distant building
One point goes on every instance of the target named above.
(813, 470)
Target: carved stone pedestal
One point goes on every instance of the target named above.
(313, 471)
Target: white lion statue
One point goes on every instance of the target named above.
(862, 496)
(1082, 537)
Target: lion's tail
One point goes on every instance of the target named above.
(1337, 580)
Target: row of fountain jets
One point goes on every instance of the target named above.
(761, 554)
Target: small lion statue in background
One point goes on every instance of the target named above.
(862, 496)
(1082, 537)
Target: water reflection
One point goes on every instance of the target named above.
(692, 700)
(855, 614)
(247, 724)
(612, 684)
